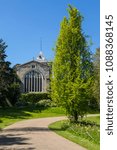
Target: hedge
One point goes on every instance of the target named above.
(34, 97)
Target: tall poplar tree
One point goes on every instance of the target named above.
(72, 67)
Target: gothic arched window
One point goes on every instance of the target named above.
(33, 82)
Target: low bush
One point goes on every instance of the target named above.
(88, 123)
(33, 97)
(43, 104)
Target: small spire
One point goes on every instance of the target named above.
(41, 57)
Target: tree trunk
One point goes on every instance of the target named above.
(75, 116)
(9, 103)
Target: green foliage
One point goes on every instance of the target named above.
(33, 97)
(5, 70)
(72, 67)
(96, 83)
(93, 104)
(95, 119)
(13, 93)
(3, 46)
(4, 73)
(43, 104)
(8, 77)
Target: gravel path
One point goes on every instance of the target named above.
(34, 135)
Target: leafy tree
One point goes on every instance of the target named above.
(72, 67)
(13, 93)
(7, 76)
(96, 83)
(4, 72)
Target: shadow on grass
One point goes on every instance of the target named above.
(58, 128)
(13, 113)
(20, 113)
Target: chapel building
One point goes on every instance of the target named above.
(34, 75)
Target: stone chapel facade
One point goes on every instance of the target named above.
(34, 75)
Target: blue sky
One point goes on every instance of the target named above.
(24, 22)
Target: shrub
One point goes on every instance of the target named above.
(13, 93)
(88, 123)
(33, 97)
(43, 103)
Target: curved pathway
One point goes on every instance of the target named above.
(34, 135)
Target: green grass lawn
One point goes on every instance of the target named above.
(86, 135)
(11, 115)
(95, 119)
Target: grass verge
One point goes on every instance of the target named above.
(11, 115)
(85, 133)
